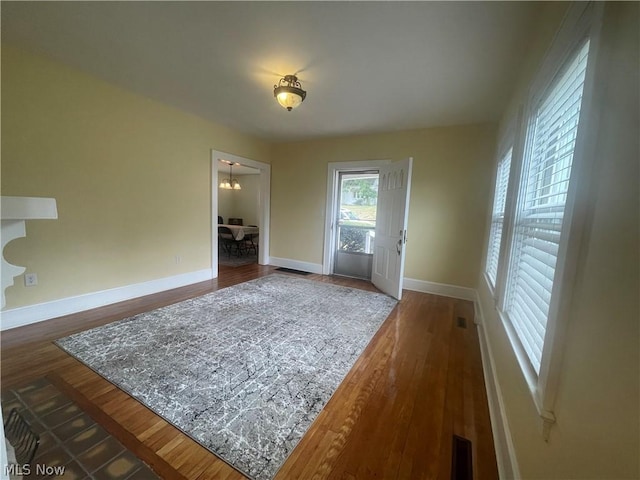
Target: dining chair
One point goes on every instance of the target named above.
(235, 221)
(220, 220)
(251, 241)
(228, 242)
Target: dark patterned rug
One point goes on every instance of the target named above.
(244, 370)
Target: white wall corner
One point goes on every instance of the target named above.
(18, 317)
(503, 443)
(296, 265)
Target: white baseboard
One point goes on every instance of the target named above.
(18, 317)
(502, 441)
(505, 451)
(296, 265)
(445, 290)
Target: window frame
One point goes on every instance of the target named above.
(527, 205)
(502, 153)
(582, 21)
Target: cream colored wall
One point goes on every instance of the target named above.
(131, 177)
(598, 402)
(448, 204)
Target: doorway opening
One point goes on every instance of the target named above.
(252, 210)
(355, 223)
(238, 213)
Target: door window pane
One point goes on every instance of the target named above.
(358, 207)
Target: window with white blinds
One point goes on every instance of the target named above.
(497, 216)
(541, 203)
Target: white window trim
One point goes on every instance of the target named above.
(581, 21)
(577, 210)
(510, 206)
(507, 142)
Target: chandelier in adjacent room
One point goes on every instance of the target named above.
(230, 183)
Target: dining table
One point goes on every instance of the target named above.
(240, 231)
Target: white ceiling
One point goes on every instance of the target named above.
(367, 66)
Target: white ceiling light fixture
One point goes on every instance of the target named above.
(289, 92)
(229, 183)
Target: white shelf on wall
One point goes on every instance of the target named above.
(15, 211)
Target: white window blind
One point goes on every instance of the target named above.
(540, 210)
(497, 216)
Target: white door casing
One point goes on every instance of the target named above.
(394, 187)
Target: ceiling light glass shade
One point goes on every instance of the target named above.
(288, 100)
(230, 183)
(288, 92)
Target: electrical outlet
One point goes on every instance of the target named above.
(178, 259)
(30, 280)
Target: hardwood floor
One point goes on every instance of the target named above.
(417, 384)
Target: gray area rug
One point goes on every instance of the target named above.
(244, 370)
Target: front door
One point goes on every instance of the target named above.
(356, 222)
(391, 227)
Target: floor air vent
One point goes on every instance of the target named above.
(291, 270)
(461, 465)
(462, 322)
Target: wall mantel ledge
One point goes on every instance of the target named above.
(14, 212)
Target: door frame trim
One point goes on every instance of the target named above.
(333, 169)
(264, 207)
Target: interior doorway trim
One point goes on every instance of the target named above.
(334, 168)
(264, 205)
